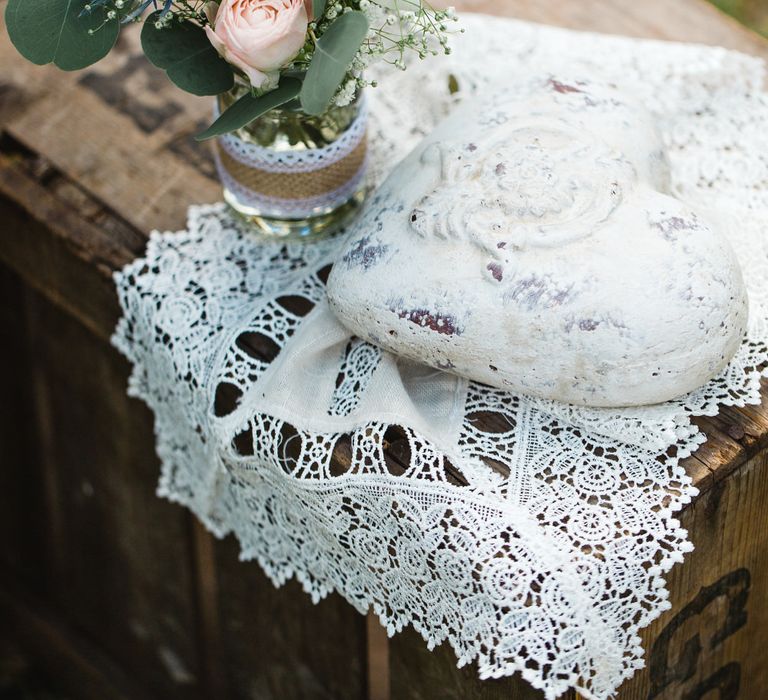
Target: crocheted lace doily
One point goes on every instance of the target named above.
(539, 547)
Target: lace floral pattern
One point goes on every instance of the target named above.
(270, 160)
(539, 545)
(291, 207)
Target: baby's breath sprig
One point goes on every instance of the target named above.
(398, 31)
(402, 27)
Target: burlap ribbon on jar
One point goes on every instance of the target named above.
(296, 183)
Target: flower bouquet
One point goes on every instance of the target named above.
(288, 76)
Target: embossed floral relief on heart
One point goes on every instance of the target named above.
(541, 223)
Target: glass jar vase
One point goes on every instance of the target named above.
(293, 175)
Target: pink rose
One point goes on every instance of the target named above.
(259, 36)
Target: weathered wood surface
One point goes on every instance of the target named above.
(111, 587)
(101, 157)
(89, 163)
(711, 644)
(682, 20)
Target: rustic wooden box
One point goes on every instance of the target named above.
(107, 591)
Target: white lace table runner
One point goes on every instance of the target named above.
(539, 547)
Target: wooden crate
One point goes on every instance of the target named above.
(108, 591)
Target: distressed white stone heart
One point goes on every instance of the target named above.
(531, 242)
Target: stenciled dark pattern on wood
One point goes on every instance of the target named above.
(198, 154)
(126, 82)
(148, 106)
(92, 170)
(666, 671)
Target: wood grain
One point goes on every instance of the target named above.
(89, 163)
(23, 511)
(718, 600)
(420, 674)
(278, 644)
(120, 557)
(146, 177)
(712, 641)
(77, 667)
(692, 21)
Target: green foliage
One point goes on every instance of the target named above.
(753, 13)
(333, 55)
(74, 34)
(60, 32)
(182, 49)
(250, 107)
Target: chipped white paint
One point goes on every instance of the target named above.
(531, 242)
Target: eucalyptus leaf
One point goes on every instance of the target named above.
(250, 107)
(318, 8)
(57, 31)
(182, 49)
(334, 53)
